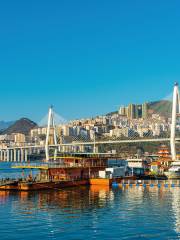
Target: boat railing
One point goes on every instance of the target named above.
(29, 165)
(4, 182)
(50, 165)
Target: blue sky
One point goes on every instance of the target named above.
(86, 57)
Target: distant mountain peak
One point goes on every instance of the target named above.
(23, 125)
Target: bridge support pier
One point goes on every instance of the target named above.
(22, 155)
(8, 155)
(15, 155)
(26, 155)
(11, 155)
(4, 156)
(18, 155)
(1, 155)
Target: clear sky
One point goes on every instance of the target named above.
(86, 57)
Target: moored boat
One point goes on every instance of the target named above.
(65, 172)
(174, 171)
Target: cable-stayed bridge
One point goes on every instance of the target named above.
(20, 154)
(79, 144)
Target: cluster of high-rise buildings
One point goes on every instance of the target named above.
(134, 111)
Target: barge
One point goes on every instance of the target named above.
(66, 172)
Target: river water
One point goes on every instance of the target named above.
(91, 213)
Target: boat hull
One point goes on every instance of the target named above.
(35, 186)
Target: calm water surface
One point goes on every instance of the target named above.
(91, 213)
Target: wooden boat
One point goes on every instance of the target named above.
(31, 186)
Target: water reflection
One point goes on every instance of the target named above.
(98, 212)
(68, 200)
(176, 208)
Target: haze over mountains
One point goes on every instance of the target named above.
(4, 124)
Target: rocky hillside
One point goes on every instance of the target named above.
(162, 108)
(24, 125)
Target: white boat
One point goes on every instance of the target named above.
(174, 171)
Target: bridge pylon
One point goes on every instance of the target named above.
(51, 129)
(175, 113)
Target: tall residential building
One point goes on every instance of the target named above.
(138, 111)
(131, 111)
(135, 111)
(123, 111)
(144, 110)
